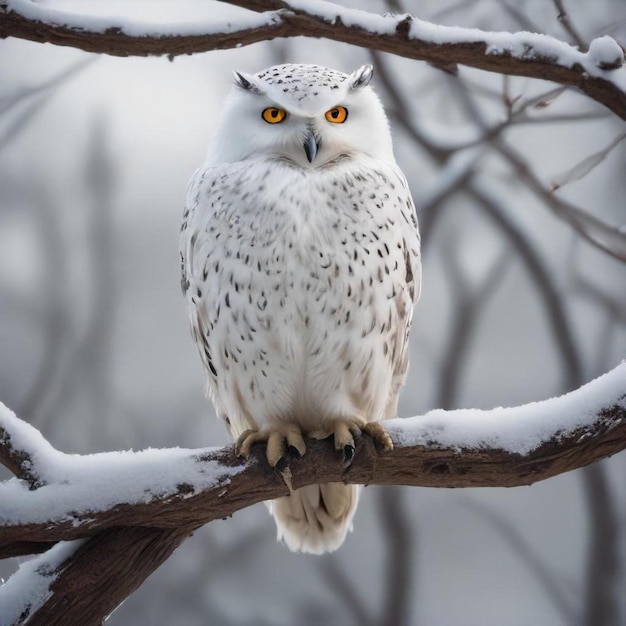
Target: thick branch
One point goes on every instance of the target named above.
(467, 448)
(521, 54)
(15, 460)
(21, 448)
(153, 515)
(119, 37)
(103, 572)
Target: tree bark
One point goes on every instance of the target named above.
(102, 572)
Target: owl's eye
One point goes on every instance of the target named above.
(272, 115)
(338, 115)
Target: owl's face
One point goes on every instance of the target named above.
(306, 115)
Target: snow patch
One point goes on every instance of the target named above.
(97, 482)
(331, 13)
(517, 430)
(139, 28)
(29, 588)
(606, 53)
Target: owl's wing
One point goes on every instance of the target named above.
(185, 245)
(408, 295)
(194, 253)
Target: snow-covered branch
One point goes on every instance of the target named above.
(154, 499)
(83, 494)
(598, 72)
(21, 447)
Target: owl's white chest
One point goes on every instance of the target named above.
(298, 288)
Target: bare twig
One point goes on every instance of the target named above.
(608, 238)
(466, 311)
(569, 28)
(32, 100)
(602, 572)
(529, 555)
(400, 537)
(56, 310)
(86, 365)
(521, 19)
(542, 280)
(342, 586)
(604, 236)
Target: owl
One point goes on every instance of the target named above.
(301, 265)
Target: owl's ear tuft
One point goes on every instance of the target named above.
(362, 77)
(247, 82)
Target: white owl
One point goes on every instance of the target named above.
(301, 264)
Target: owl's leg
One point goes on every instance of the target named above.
(279, 439)
(346, 430)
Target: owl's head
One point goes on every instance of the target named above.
(304, 114)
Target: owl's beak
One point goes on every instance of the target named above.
(311, 145)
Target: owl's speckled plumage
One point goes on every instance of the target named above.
(301, 270)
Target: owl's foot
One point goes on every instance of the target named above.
(381, 437)
(280, 440)
(346, 431)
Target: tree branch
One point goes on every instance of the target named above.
(570, 29)
(530, 555)
(602, 599)
(521, 54)
(104, 571)
(21, 448)
(136, 508)
(606, 237)
(464, 448)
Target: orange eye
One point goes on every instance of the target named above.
(338, 115)
(272, 115)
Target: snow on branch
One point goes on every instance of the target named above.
(131, 510)
(599, 72)
(85, 494)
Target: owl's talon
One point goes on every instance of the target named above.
(343, 435)
(246, 440)
(355, 429)
(346, 431)
(294, 438)
(294, 453)
(282, 441)
(381, 437)
(348, 453)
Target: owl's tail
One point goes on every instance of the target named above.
(316, 518)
